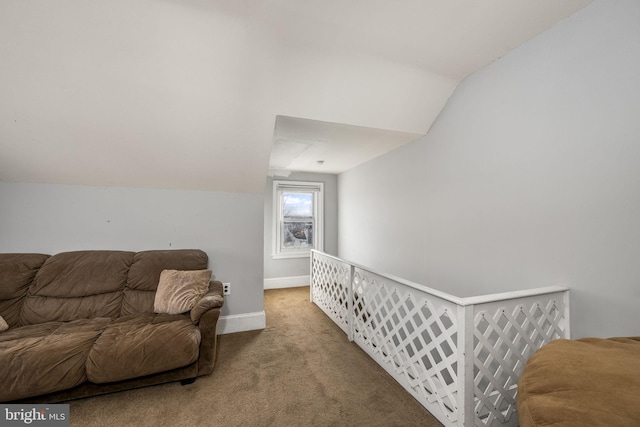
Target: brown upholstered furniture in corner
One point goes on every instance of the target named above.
(83, 323)
(587, 382)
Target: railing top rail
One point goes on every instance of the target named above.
(326, 255)
(481, 299)
(503, 296)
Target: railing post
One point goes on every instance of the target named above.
(311, 256)
(350, 309)
(466, 415)
(566, 314)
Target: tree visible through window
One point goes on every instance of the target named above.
(298, 218)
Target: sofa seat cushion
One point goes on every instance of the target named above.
(139, 345)
(47, 357)
(585, 382)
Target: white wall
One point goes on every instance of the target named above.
(294, 267)
(50, 218)
(529, 177)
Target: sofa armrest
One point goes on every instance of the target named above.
(213, 299)
(205, 314)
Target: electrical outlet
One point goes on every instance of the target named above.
(226, 288)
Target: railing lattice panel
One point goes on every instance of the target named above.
(411, 338)
(505, 336)
(330, 289)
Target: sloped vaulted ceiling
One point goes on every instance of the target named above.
(184, 94)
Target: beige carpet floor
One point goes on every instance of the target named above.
(299, 371)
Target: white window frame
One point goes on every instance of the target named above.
(280, 187)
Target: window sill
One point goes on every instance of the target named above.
(290, 255)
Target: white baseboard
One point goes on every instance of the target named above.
(286, 282)
(241, 322)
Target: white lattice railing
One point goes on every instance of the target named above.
(459, 357)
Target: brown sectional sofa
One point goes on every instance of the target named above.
(83, 323)
(591, 382)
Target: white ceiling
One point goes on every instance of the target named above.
(315, 146)
(184, 94)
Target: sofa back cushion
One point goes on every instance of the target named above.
(77, 285)
(17, 271)
(144, 275)
(36, 288)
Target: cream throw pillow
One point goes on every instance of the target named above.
(3, 324)
(179, 291)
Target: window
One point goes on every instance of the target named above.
(297, 218)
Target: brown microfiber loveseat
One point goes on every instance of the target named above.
(83, 323)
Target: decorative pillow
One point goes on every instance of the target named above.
(179, 291)
(3, 324)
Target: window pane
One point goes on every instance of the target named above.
(297, 206)
(297, 234)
